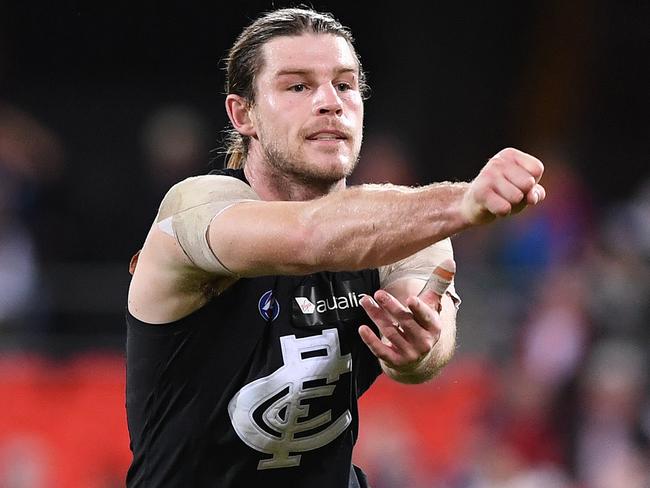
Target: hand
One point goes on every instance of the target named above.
(506, 184)
(411, 331)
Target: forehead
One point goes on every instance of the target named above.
(308, 52)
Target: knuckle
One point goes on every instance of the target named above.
(535, 166)
(517, 195)
(412, 357)
(502, 209)
(395, 362)
(490, 171)
(529, 183)
(403, 315)
(427, 317)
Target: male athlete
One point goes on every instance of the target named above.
(268, 296)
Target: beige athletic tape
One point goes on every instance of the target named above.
(441, 277)
(423, 265)
(190, 206)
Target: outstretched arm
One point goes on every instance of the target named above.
(369, 226)
(357, 228)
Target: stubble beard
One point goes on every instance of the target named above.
(292, 166)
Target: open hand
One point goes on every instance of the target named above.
(409, 331)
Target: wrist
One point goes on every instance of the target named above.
(460, 205)
(412, 373)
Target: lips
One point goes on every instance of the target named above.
(327, 135)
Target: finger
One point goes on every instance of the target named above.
(426, 316)
(393, 306)
(386, 323)
(519, 177)
(377, 347)
(497, 205)
(507, 190)
(536, 195)
(409, 338)
(530, 163)
(416, 337)
(441, 277)
(437, 284)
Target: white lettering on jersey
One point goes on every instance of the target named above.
(351, 300)
(287, 416)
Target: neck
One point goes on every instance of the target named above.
(270, 184)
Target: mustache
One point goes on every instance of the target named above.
(329, 127)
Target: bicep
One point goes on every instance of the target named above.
(259, 238)
(224, 229)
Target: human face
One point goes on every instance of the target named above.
(308, 110)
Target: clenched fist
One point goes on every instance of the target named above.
(506, 184)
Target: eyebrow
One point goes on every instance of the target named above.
(303, 72)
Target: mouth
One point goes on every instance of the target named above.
(327, 135)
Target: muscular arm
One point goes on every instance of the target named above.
(357, 228)
(369, 226)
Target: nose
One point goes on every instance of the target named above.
(327, 101)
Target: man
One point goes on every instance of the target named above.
(248, 340)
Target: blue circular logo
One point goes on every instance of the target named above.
(268, 306)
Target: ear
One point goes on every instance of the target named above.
(238, 110)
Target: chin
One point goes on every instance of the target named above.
(334, 169)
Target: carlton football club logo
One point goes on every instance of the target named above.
(268, 306)
(271, 414)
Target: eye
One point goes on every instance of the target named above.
(300, 87)
(343, 86)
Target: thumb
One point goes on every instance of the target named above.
(437, 284)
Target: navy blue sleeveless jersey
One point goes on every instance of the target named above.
(259, 387)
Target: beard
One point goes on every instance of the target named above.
(293, 166)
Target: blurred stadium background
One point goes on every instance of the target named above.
(104, 106)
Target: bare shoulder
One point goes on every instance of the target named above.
(199, 190)
(167, 284)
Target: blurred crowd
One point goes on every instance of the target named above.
(66, 234)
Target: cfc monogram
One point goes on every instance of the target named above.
(269, 415)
